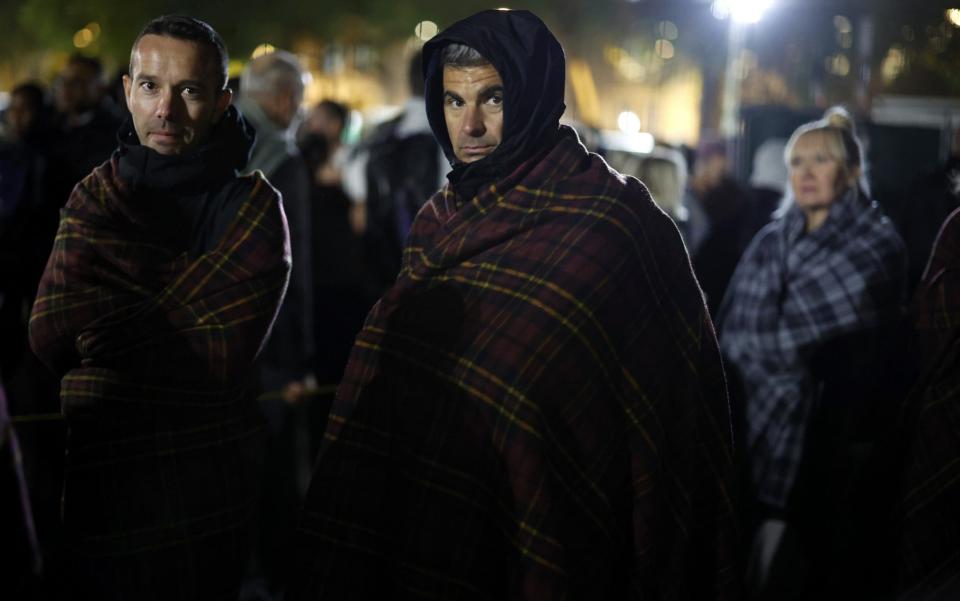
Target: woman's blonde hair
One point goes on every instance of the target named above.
(840, 139)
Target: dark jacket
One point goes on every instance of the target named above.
(73, 152)
(288, 354)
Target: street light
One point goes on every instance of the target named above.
(628, 122)
(953, 15)
(740, 11)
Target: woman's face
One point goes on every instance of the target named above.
(816, 177)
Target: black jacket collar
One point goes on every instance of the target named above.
(218, 160)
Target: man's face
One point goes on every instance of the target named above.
(323, 122)
(20, 115)
(473, 110)
(282, 106)
(173, 93)
(77, 89)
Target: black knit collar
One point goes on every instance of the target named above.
(207, 167)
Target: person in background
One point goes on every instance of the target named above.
(664, 173)
(115, 98)
(931, 199)
(84, 132)
(802, 329)
(327, 121)
(167, 272)
(23, 250)
(342, 289)
(25, 115)
(768, 179)
(926, 516)
(27, 226)
(536, 408)
(389, 177)
(320, 139)
(723, 221)
(271, 95)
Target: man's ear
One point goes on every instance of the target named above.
(127, 85)
(224, 98)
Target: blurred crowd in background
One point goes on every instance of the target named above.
(350, 201)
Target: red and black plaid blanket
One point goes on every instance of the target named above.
(155, 347)
(929, 508)
(535, 410)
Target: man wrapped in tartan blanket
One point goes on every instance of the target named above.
(928, 512)
(536, 409)
(166, 274)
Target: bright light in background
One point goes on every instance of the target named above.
(953, 15)
(425, 30)
(635, 142)
(668, 30)
(629, 122)
(838, 64)
(235, 67)
(82, 38)
(585, 91)
(307, 78)
(626, 65)
(87, 35)
(842, 24)
(744, 63)
(664, 49)
(741, 11)
(893, 64)
(844, 31)
(262, 49)
(351, 133)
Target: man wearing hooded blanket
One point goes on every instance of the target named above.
(536, 409)
(165, 276)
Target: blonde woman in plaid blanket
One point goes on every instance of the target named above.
(800, 328)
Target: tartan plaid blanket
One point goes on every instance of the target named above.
(154, 348)
(929, 509)
(535, 410)
(790, 296)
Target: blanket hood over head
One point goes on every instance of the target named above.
(531, 63)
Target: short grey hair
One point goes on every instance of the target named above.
(276, 72)
(461, 55)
